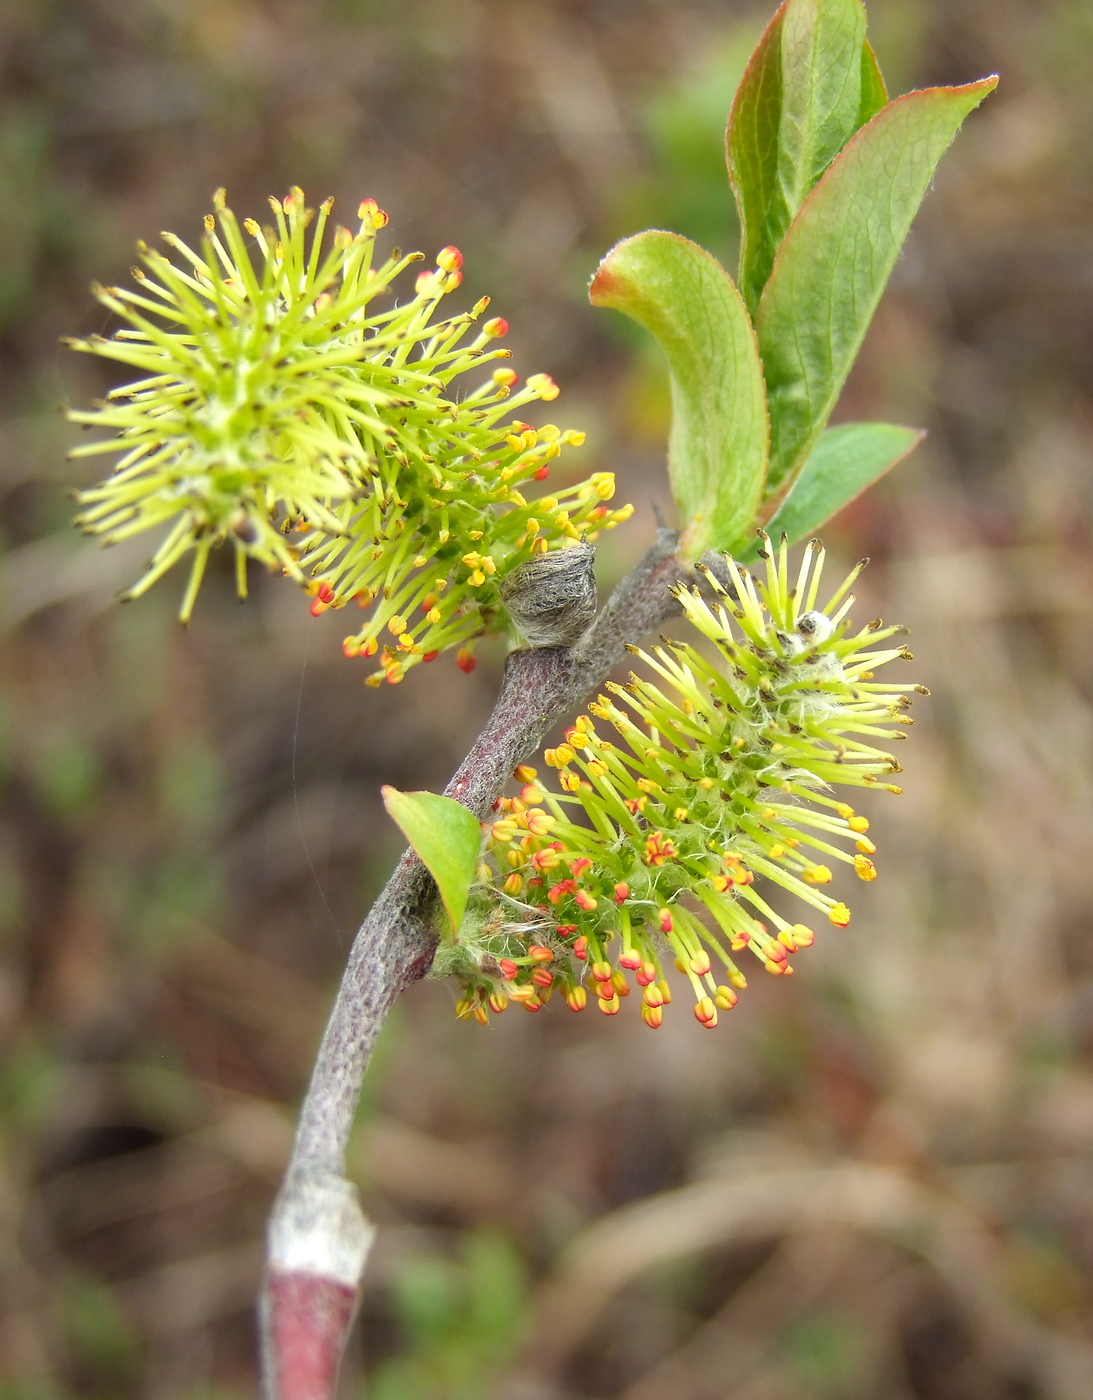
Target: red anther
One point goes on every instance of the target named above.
(700, 963)
(586, 901)
(496, 327)
(541, 977)
(564, 930)
(580, 948)
(450, 259)
(541, 474)
(647, 974)
(622, 892)
(706, 1012)
(326, 593)
(533, 1004)
(465, 661)
(602, 971)
(508, 969)
(496, 806)
(579, 866)
(536, 881)
(430, 656)
(537, 953)
(666, 925)
(631, 961)
(318, 607)
(560, 890)
(351, 648)
(776, 953)
(369, 206)
(605, 990)
(659, 848)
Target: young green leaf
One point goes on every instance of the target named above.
(717, 452)
(811, 83)
(822, 47)
(751, 153)
(447, 839)
(843, 463)
(874, 90)
(836, 260)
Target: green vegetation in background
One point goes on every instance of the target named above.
(462, 1319)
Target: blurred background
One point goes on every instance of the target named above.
(876, 1181)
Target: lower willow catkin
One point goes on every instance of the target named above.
(676, 841)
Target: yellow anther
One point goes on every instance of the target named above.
(864, 868)
(817, 875)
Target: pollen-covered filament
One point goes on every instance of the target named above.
(674, 842)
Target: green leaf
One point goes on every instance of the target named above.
(447, 839)
(822, 46)
(717, 451)
(874, 90)
(751, 153)
(844, 462)
(811, 83)
(836, 260)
